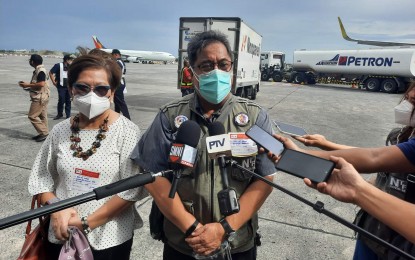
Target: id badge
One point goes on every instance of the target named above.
(85, 180)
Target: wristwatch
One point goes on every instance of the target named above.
(229, 232)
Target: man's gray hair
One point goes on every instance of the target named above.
(201, 40)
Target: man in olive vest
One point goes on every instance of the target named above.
(193, 223)
(39, 97)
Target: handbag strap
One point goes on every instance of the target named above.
(36, 203)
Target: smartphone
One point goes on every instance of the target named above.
(290, 129)
(265, 140)
(305, 166)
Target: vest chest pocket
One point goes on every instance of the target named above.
(246, 162)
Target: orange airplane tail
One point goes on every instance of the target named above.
(97, 43)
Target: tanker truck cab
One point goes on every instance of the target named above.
(272, 63)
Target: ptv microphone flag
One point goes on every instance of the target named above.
(182, 154)
(232, 144)
(218, 145)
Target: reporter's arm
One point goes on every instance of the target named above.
(365, 160)
(347, 185)
(395, 213)
(321, 142)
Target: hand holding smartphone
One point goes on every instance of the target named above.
(304, 165)
(265, 140)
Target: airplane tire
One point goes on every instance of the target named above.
(389, 86)
(373, 84)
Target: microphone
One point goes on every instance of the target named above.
(96, 194)
(219, 147)
(137, 180)
(183, 152)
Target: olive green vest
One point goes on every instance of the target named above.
(198, 187)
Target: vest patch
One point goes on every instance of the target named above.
(397, 184)
(179, 120)
(241, 119)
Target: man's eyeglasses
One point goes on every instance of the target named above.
(84, 89)
(208, 66)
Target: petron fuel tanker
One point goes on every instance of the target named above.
(387, 70)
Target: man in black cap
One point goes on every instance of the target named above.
(119, 102)
(59, 77)
(39, 97)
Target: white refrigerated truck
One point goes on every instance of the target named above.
(245, 46)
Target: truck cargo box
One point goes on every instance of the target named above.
(245, 45)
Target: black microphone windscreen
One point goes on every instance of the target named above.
(216, 128)
(188, 133)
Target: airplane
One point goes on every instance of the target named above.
(138, 56)
(368, 42)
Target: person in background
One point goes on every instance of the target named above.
(119, 102)
(86, 151)
(39, 97)
(58, 76)
(186, 79)
(193, 224)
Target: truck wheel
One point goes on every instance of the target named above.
(389, 86)
(240, 92)
(254, 92)
(277, 77)
(248, 92)
(298, 78)
(264, 76)
(372, 84)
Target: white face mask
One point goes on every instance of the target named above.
(403, 113)
(91, 105)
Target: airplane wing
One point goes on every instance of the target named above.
(368, 42)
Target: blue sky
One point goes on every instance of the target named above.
(285, 25)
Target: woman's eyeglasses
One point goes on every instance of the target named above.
(84, 89)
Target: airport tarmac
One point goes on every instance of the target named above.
(289, 228)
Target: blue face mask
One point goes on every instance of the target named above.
(215, 85)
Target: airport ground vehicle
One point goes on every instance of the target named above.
(271, 63)
(388, 70)
(245, 45)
